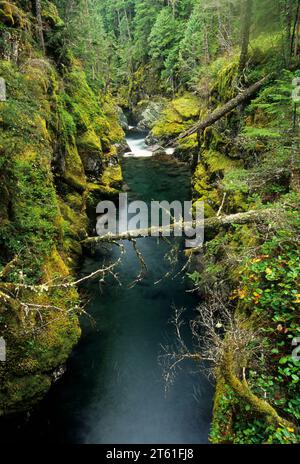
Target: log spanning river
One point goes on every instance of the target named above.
(113, 390)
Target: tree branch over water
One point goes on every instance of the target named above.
(263, 216)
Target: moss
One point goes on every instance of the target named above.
(170, 124)
(221, 428)
(73, 165)
(204, 192)
(189, 143)
(36, 345)
(83, 104)
(167, 129)
(94, 122)
(50, 14)
(75, 201)
(89, 142)
(226, 77)
(55, 266)
(11, 15)
(23, 393)
(187, 106)
(44, 195)
(177, 116)
(102, 192)
(74, 216)
(218, 162)
(116, 133)
(38, 342)
(112, 177)
(238, 202)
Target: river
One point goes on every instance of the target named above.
(113, 390)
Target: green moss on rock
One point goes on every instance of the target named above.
(177, 116)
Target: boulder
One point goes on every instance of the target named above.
(158, 150)
(151, 140)
(123, 119)
(122, 148)
(149, 115)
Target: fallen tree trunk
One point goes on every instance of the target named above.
(212, 224)
(220, 112)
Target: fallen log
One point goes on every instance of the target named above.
(263, 216)
(225, 109)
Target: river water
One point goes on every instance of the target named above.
(113, 391)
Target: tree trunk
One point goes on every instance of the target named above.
(229, 106)
(38, 12)
(263, 216)
(295, 37)
(246, 27)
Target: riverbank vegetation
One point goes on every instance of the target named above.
(72, 69)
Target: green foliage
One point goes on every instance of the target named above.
(164, 42)
(273, 109)
(271, 288)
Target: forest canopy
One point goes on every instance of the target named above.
(134, 41)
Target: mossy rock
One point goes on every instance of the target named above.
(101, 192)
(74, 214)
(187, 106)
(218, 162)
(177, 116)
(11, 15)
(203, 191)
(112, 177)
(44, 192)
(90, 149)
(226, 74)
(39, 71)
(167, 129)
(73, 164)
(50, 15)
(75, 182)
(22, 393)
(89, 142)
(115, 132)
(38, 344)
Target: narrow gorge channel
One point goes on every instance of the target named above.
(113, 390)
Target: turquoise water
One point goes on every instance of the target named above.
(113, 390)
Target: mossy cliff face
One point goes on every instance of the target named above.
(177, 115)
(246, 162)
(56, 150)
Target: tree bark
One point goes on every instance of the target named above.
(246, 27)
(229, 106)
(295, 40)
(38, 12)
(264, 216)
